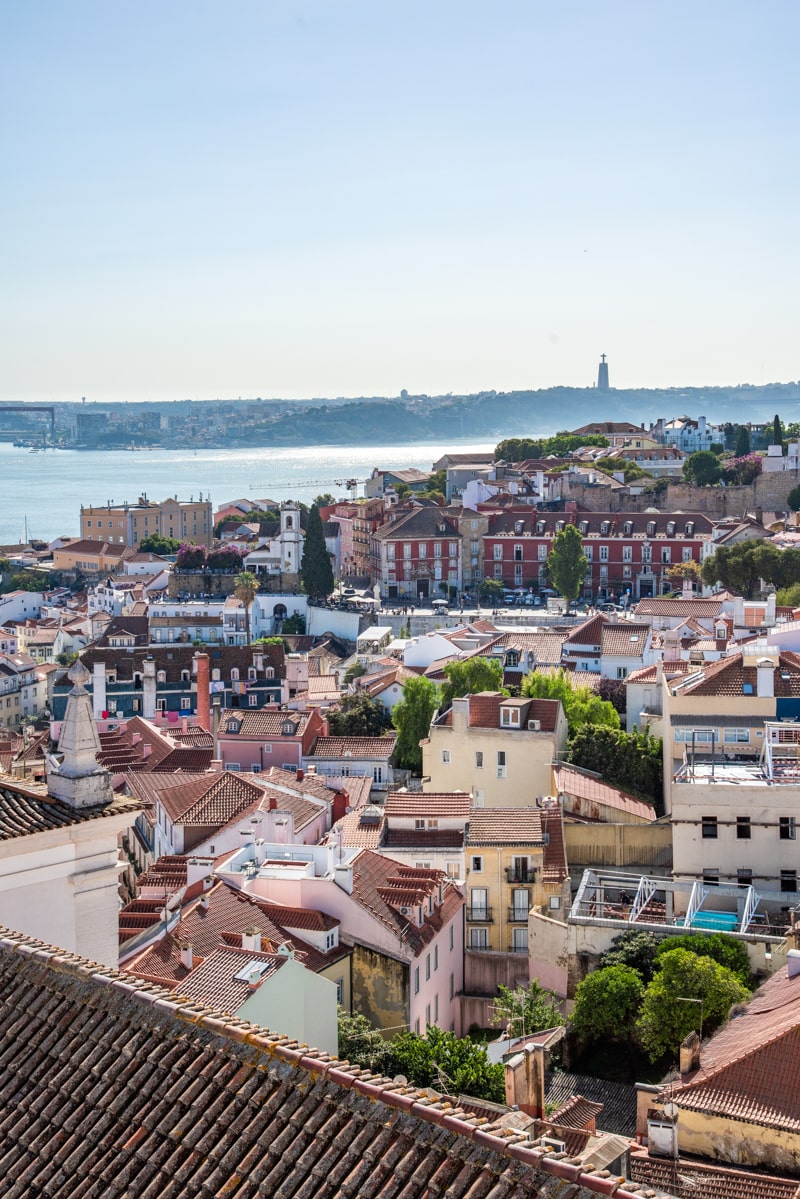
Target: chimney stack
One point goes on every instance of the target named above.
(187, 957)
(203, 676)
(251, 940)
(690, 1053)
(793, 963)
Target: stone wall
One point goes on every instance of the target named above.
(769, 492)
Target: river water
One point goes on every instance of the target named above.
(46, 488)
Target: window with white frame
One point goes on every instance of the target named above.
(479, 759)
(666, 554)
(541, 553)
(479, 938)
(501, 763)
(647, 553)
(445, 757)
(588, 551)
(603, 553)
(736, 736)
(686, 553)
(627, 553)
(422, 549)
(406, 549)
(497, 552)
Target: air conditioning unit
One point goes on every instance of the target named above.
(404, 911)
(535, 726)
(554, 1145)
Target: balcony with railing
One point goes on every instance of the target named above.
(517, 948)
(521, 874)
(480, 915)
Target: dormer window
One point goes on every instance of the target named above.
(584, 527)
(627, 528)
(161, 676)
(234, 674)
(651, 528)
(185, 676)
(540, 527)
(559, 526)
(671, 527)
(251, 673)
(605, 527)
(287, 728)
(690, 528)
(233, 726)
(509, 717)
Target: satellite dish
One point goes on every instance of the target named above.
(401, 1080)
(671, 1110)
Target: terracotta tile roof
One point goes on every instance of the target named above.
(264, 722)
(749, 1070)
(373, 874)
(689, 1179)
(706, 609)
(214, 981)
(186, 757)
(229, 913)
(624, 639)
(484, 711)
(649, 674)
(728, 676)
(28, 809)
(428, 804)
(360, 829)
(109, 1091)
(373, 748)
(224, 798)
(305, 918)
(571, 780)
(505, 826)
(588, 633)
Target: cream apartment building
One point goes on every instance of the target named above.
(499, 749)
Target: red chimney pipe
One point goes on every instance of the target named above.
(203, 696)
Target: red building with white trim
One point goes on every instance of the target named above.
(629, 552)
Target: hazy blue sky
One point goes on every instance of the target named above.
(347, 197)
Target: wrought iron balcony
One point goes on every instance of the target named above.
(481, 915)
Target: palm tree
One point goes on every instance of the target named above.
(245, 588)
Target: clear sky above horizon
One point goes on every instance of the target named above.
(342, 197)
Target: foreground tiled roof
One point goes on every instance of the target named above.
(749, 1070)
(113, 1088)
(689, 1179)
(25, 810)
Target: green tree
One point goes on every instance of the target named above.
(467, 676)
(632, 761)
(789, 597)
(523, 1010)
(156, 544)
(793, 499)
(491, 590)
(581, 705)
(294, 625)
(451, 1064)
(703, 469)
(360, 1043)
(635, 949)
(316, 571)
(354, 671)
(412, 719)
(322, 501)
(724, 950)
(742, 441)
(777, 431)
(681, 571)
(607, 1003)
(358, 716)
(666, 1016)
(567, 563)
(245, 588)
(742, 567)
